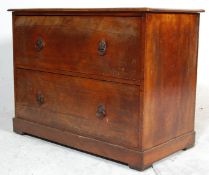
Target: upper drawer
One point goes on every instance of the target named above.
(91, 45)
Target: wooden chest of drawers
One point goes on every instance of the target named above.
(118, 83)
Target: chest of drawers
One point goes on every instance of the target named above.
(118, 83)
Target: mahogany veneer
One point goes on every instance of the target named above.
(119, 83)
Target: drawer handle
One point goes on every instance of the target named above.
(102, 47)
(100, 112)
(40, 99)
(39, 45)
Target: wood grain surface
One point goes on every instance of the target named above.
(71, 44)
(169, 77)
(71, 103)
(145, 81)
(100, 11)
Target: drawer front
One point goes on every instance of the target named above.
(98, 109)
(91, 45)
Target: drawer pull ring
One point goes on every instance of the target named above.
(40, 99)
(39, 44)
(102, 48)
(100, 112)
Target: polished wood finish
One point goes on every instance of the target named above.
(136, 159)
(169, 77)
(118, 83)
(101, 11)
(70, 104)
(72, 47)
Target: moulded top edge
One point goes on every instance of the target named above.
(105, 10)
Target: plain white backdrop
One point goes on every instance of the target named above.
(173, 165)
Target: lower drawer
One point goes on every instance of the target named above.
(98, 109)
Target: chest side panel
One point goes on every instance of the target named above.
(170, 77)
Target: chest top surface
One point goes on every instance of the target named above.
(100, 11)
